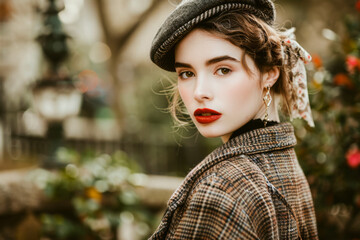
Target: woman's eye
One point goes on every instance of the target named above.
(223, 71)
(186, 74)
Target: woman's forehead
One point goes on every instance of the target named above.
(205, 45)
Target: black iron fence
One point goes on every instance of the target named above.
(152, 157)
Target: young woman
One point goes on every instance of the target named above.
(233, 68)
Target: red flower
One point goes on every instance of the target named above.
(357, 5)
(352, 63)
(317, 60)
(342, 79)
(353, 157)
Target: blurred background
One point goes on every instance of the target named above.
(87, 148)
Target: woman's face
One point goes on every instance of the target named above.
(218, 92)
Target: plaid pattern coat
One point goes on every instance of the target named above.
(252, 187)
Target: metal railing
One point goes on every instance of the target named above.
(152, 157)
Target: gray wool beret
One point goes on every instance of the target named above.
(190, 13)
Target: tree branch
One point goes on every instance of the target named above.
(104, 21)
(118, 42)
(131, 29)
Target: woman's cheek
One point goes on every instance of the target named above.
(242, 95)
(237, 90)
(185, 94)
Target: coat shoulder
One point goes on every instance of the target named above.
(234, 176)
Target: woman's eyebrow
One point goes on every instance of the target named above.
(221, 58)
(208, 62)
(180, 64)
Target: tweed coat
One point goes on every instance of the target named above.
(251, 187)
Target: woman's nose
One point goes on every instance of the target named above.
(203, 90)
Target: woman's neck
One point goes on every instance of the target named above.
(251, 125)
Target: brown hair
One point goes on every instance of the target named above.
(260, 41)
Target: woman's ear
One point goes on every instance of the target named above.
(270, 77)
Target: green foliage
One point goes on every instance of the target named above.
(94, 194)
(330, 153)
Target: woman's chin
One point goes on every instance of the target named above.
(210, 134)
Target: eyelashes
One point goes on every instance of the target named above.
(223, 71)
(186, 74)
(220, 72)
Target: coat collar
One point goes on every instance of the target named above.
(266, 139)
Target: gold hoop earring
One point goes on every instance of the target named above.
(267, 100)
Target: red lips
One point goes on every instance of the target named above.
(206, 115)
